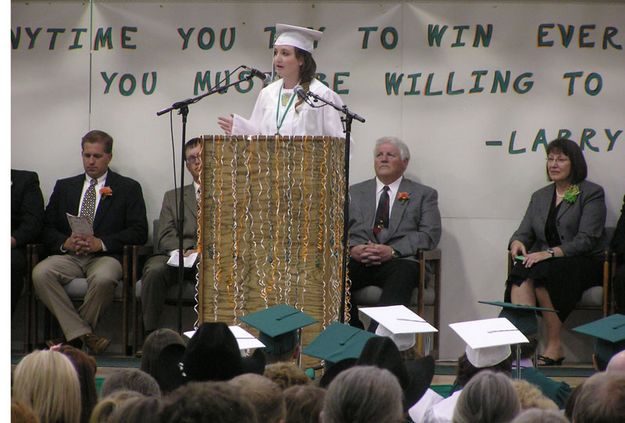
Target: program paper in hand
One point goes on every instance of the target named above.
(80, 225)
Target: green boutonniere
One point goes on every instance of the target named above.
(571, 193)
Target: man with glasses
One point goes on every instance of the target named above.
(113, 210)
(158, 276)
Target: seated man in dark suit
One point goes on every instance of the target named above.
(157, 275)
(26, 224)
(390, 218)
(115, 206)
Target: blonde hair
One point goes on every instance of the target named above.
(47, 382)
(107, 405)
(532, 397)
(264, 394)
(286, 374)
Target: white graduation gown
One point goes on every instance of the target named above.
(427, 401)
(306, 120)
(443, 411)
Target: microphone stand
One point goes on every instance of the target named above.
(347, 119)
(183, 110)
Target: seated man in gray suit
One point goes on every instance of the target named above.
(390, 218)
(157, 275)
(114, 205)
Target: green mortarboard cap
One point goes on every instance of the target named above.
(339, 341)
(277, 326)
(523, 317)
(610, 334)
(513, 306)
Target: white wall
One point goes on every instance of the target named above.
(59, 94)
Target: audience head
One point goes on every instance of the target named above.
(382, 352)
(363, 394)
(391, 158)
(264, 394)
(212, 354)
(489, 397)
(131, 380)
(536, 415)
(154, 344)
(570, 404)
(138, 409)
(207, 402)
(617, 363)
(161, 367)
(108, 404)
(601, 399)
(332, 370)
(414, 376)
(286, 374)
(532, 397)
(86, 368)
(284, 347)
(22, 414)
(473, 361)
(47, 382)
(304, 403)
(570, 149)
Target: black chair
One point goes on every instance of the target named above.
(138, 257)
(426, 294)
(76, 291)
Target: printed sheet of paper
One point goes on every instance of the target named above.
(188, 260)
(80, 224)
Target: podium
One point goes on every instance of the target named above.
(270, 227)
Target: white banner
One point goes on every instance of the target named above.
(476, 89)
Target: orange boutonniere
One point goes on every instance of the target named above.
(106, 191)
(403, 196)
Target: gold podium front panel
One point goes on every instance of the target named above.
(271, 227)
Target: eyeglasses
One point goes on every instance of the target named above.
(194, 159)
(557, 160)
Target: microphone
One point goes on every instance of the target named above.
(258, 74)
(301, 93)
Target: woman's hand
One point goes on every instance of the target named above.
(517, 248)
(226, 124)
(533, 258)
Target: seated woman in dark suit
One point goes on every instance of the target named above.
(618, 246)
(557, 248)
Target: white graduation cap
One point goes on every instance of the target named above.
(399, 323)
(296, 36)
(245, 340)
(488, 340)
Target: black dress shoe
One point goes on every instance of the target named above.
(543, 360)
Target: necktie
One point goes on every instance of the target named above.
(87, 208)
(381, 215)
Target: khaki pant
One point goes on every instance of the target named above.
(102, 274)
